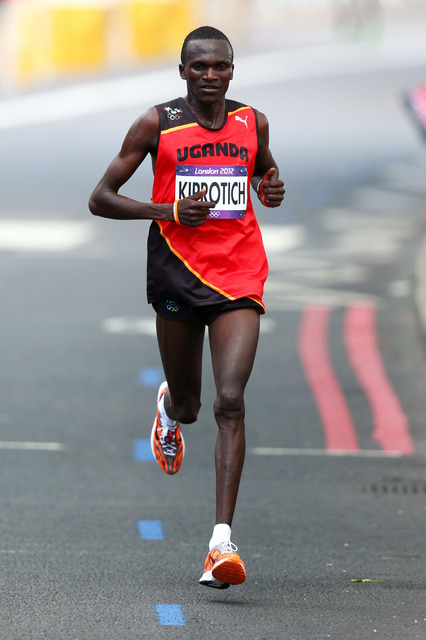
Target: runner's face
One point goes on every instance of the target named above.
(208, 70)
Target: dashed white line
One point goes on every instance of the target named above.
(132, 325)
(43, 235)
(362, 453)
(32, 446)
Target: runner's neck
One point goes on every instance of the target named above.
(210, 116)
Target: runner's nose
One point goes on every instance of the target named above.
(209, 73)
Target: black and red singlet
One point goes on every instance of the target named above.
(224, 258)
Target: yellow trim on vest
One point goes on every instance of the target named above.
(231, 113)
(196, 274)
(257, 302)
(182, 126)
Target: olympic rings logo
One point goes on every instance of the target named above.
(173, 114)
(214, 214)
(172, 306)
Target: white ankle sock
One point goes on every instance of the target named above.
(167, 421)
(221, 533)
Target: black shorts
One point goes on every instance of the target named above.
(175, 310)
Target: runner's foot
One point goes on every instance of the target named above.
(167, 443)
(223, 567)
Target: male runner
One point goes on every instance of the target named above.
(206, 261)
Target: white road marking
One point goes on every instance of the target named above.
(409, 177)
(281, 238)
(151, 87)
(32, 446)
(400, 288)
(132, 325)
(43, 235)
(301, 267)
(377, 238)
(362, 453)
(367, 201)
(281, 295)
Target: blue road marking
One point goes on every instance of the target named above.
(170, 614)
(150, 377)
(150, 529)
(142, 450)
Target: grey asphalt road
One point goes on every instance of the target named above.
(334, 544)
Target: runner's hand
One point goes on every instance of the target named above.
(271, 190)
(192, 211)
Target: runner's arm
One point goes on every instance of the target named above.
(265, 182)
(105, 200)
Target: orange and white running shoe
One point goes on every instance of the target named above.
(223, 567)
(167, 443)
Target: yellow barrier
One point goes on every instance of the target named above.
(157, 28)
(78, 37)
(57, 39)
(32, 48)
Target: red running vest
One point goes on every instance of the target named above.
(224, 258)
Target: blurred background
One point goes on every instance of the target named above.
(45, 41)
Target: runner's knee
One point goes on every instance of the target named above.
(186, 411)
(229, 404)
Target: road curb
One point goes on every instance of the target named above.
(420, 284)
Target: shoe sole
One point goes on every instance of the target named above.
(207, 580)
(230, 570)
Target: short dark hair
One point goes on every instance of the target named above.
(204, 33)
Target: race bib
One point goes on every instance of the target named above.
(224, 185)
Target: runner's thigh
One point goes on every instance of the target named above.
(233, 341)
(181, 349)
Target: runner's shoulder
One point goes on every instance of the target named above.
(145, 127)
(261, 118)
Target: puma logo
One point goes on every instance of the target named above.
(241, 120)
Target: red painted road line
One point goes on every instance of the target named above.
(391, 430)
(312, 342)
